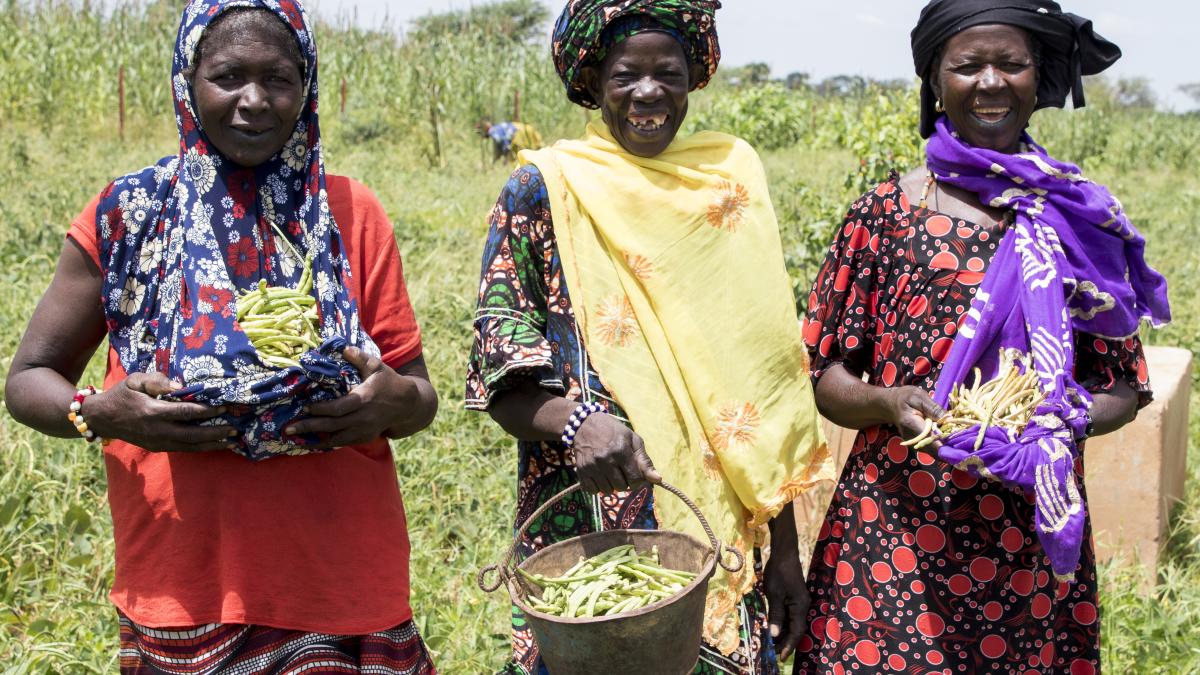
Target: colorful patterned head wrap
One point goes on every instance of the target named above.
(580, 35)
(180, 239)
(1070, 47)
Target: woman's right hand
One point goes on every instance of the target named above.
(131, 411)
(609, 457)
(908, 409)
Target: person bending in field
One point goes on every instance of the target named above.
(636, 279)
(510, 138)
(298, 563)
(974, 555)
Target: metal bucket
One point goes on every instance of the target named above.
(658, 639)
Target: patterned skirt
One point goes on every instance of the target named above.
(228, 649)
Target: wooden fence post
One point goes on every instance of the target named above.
(343, 96)
(517, 106)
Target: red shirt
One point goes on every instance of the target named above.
(313, 543)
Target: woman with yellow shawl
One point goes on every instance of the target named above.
(677, 349)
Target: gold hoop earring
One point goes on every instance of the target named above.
(938, 106)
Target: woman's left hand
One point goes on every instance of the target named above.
(787, 592)
(386, 403)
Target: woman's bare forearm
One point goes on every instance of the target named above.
(40, 398)
(783, 528)
(607, 455)
(66, 327)
(529, 413)
(844, 399)
(1113, 410)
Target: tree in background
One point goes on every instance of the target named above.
(1135, 93)
(842, 85)
(795, 81)
(757, 73)
(514, 20)
(1192, 90)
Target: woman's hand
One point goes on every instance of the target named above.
(386, 403)
(131, 412)
(609, 457)
(787, 593)
(844, 399)
(908, 409)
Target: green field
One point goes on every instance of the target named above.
(59, 146)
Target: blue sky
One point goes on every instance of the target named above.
(870, 37)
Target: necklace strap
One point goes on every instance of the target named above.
(929, 182)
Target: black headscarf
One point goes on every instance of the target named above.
(1070, 47)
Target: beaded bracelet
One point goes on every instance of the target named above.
(581, 413)
(76, 415)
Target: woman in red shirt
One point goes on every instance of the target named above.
(223, 565)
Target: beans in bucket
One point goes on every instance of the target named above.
(657, 579)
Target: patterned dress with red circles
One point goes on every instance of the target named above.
(921, 568)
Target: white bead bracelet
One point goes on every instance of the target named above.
(581, 413)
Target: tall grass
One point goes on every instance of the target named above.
(58, 147)
(59, 64)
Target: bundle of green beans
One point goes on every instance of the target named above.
(1007, 401)
(281, 322)
(616, 581)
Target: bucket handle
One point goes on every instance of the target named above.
(504, 573)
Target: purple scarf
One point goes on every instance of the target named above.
(1071, 262)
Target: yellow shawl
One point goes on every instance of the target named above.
(677, 279)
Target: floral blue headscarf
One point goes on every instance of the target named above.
(179, 240)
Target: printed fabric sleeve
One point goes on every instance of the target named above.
(1100, 363)
(510, 321)
(839, 326)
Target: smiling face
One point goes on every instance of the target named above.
(248, 87)
(642, 88)
(987, 80)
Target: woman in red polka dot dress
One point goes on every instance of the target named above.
(920, 567)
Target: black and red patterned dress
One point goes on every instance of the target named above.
(921, 568)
